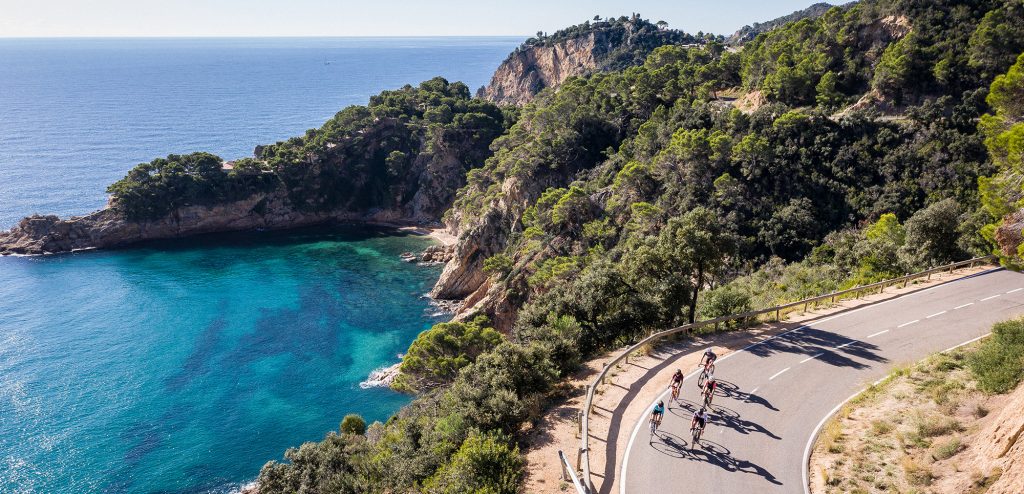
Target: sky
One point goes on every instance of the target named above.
(116, 18)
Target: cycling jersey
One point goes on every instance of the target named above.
(710, 355)
(677, 378)
(659, 410)
(700, 418)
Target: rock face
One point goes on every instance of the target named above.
(108, 228)
(1010, 233)
(528, 72)
(611, 44)
(1000, 450)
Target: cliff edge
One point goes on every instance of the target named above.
(547, 61)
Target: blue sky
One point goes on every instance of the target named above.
(45, 18)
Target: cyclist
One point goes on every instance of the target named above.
(700, 418)
(708, 359)
(709, 389)
(657, 414)
(677, 383)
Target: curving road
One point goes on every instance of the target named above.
(774, 395)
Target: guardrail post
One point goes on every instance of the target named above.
(579, 461)
(778, 313)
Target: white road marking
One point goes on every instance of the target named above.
(817, 430)
(989, 298)
(937, 314)
(640, 421)
(962, 306)
(846, 344)
(909, 323)
(777, 374)
(1015, 290)
(754, 390)
(878, 333)
(812, 358)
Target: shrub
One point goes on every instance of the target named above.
(353, 424)
(723, 301)
(998, 365)
(485, 463)
(947, 449)
(437, 354)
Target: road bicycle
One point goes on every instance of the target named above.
(654, 424)
(708, 396)
(697, 432)
(709, 370)
(675, 390)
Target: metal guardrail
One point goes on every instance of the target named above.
(569, 471)
(583, 455)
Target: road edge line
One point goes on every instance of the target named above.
(817, 429)
(636, 430)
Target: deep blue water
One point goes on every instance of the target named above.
(75, 115)
(184, 366)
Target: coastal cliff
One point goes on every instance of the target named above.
(547, 61)
(399, 160)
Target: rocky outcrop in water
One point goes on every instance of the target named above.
(108, 228)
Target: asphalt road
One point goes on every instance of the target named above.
(772, 396)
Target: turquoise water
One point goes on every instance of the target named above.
(185, 367)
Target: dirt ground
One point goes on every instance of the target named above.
(926, 428)
(630, 387)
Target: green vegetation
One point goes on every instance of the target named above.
(437, 354)
(365, 157)
(998, 365)
(631, 38)
(907, 431)
(643, 197)
(152, 190)
(353, 424)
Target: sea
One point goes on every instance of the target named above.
(184, 366)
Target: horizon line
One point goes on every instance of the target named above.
(248, 36)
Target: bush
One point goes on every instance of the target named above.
(353, 424)
(998, 365)
(485, 463)
(437, 354)
(723, 301)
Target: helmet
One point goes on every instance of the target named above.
(703, 410)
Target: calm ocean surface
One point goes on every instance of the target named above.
(184, 366)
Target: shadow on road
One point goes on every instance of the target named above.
(720, 456)
(812, 342)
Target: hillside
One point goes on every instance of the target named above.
(400, 159)
(748, 33)
(548, 60)
(631, 199)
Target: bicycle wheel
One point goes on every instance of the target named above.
(703, 377)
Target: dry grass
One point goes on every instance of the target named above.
(902, 434)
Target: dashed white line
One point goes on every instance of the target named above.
(846, 344)
(962, 306)
(937, 314)
(989, 298)
(754, 390)
(777, 374)
(878, 333)
(909, 323)
(1015, 290)
(812, 357)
